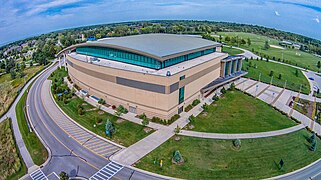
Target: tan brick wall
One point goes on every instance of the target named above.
(151, 103)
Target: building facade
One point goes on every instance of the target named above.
(155, 74)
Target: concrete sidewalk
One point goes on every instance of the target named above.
(242, 135)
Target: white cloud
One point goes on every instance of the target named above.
(45, 6)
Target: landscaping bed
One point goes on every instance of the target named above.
(11, 163)
(92, 118)
(219, 159)
(306, 107)
(236, 112)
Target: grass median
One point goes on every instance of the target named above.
(36, 149)
(218, 159)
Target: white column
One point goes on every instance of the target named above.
(59, 59)
(65, 62)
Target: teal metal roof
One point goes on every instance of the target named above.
(160, 45)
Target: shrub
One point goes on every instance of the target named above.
(142, 116)
(122, 109)
(232, 87)
(101, 101)
(215, 98)
(145, 121)
(205, 107)
(196, 102)
(191, 119)
(113, 107)
(177, 130)
(99, 121)
(80, 111)
(237, 143)
(223, 90)
(76, 87)
(175, 117)
(188, 108)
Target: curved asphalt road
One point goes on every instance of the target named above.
(66, 153)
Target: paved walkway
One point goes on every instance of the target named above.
(242, 135)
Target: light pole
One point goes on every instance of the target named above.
(271, 80)
(260, 77)
(285, 84)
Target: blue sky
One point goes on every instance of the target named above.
(24, 18)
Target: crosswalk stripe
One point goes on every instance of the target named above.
(38, 175)
(107, 171)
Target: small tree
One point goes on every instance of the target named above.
(280, 76)
(237, 143)
(249, 43)
(63, 176)
(145, 121)
(266, 45)
(271, 73)
(319, 64)
(232, 87)
(110, 129)
(215, 98)
(177, 130)
(313, 146)
(205, 107)
(191, 119)
(101, 101)
(312, 138)
(297, 73)
(177, 157)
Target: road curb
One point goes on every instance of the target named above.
(290, 173)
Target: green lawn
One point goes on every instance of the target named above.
(296, 57)
(255, 67)
(231, 51)
(11, 163)
(36, 149)
(218, 159)
(127, 133)
(237, 112)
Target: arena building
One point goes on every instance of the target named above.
(155, 74)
